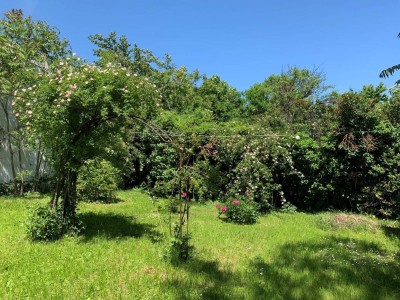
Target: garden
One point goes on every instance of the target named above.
(151, 181)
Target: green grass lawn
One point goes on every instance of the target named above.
(283, 256)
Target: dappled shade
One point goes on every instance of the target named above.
(214, 282)
(330, 269)
(334, 266)
(113, 226)
(392, 232)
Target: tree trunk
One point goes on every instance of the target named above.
(22, 179)
(5, 106)
(66, 179)
(69, 195)
(36, 176)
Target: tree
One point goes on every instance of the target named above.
(117, 50)
(389, 71)
(26, 49)
(361, 142)
(286, 97)
(78, 112)
(224, 101)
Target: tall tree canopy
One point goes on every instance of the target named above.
(27, 48)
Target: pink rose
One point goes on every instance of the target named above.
(184, 194)
(217, 205)
(235, 202)
(224, 208)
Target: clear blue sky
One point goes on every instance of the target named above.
(243, 41)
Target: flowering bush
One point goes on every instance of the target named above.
(238, 211)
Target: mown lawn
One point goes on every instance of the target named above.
(283, 256)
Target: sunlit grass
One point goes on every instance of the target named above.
(283, 256)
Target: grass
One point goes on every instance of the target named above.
(283, 256)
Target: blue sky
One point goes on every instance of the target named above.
(243, 42)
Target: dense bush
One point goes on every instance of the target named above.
(47, 224)
(239, 211)
(179, 249)
(44, 224)
(351, 164)
(6, 189)
(97, 181)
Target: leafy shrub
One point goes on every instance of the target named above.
(239, 211)
(44, 224)
(97, 181)
(6, 189)
(179, 250)
(288, 207)
(173, 204)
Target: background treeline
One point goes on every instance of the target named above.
(285, 141)
(290, 141)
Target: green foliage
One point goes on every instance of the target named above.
(6, 189)
(332, 157)
(391, 70)
(77, 111)
(98, 181)
(391, 108)
(116, 50)
(284, 143)
(361, 143)
(261, 166)
(27, 48)
(173, 204)
(222, 100)
(288, 97)
(312, 178)
(163, 169)
(44, 224)
(288, 207)
(47, 224)
(179, 250)
(240, 211)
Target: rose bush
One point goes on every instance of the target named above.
(238, 211)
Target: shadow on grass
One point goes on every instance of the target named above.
(391, 232)
(113, 226)
(334, 268)
(331, 269)
(203, 280)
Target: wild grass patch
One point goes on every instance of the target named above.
(354, 222)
